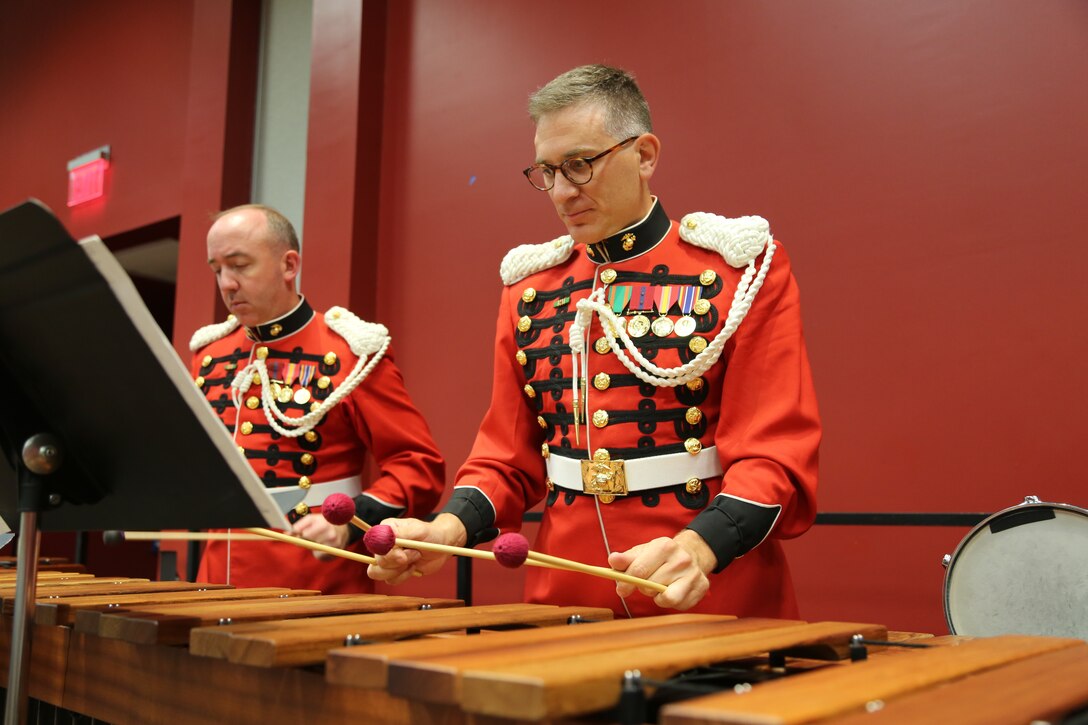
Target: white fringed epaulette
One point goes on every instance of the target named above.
(364, 338)
(210, 333)
(527, 259)
(739, 240)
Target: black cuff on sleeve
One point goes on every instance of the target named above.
(475, 512)
(372, 511)
(732, 527)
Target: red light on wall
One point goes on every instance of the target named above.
(87, 176)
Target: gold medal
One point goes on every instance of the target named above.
(302, 396)
(684, 326)
(662, 326)
(286, 394)
(638, 325)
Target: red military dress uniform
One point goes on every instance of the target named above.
(306, 361)
(731, 453)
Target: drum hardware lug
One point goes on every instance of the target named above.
(1032, 499)
(631, 708)
(352, 640)
(946, 560)
(575, 619)
(424, 607)
(225, 620)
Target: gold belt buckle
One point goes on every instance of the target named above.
(604, 477)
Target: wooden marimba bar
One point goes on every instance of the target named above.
(130, 651)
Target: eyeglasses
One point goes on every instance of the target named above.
(578, 170)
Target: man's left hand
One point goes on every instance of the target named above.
(680, 563)
(315, 528)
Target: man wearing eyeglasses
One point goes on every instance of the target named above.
(651, 385)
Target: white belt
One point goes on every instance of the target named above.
(642, 474)
(318, 492)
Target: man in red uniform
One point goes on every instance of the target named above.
(306, 396)
(650, 384)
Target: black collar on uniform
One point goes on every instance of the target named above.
(634, 240)
(281, 327)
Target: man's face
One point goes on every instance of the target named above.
(617, 195)
(255, 276)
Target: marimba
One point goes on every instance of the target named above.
(130, 651)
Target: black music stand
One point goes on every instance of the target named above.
(100, 421)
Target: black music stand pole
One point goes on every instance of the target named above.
(41, 455)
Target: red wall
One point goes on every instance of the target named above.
(922, 161)
(77, 75)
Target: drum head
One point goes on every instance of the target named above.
(1024, 570)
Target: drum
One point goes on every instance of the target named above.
(1023, 570)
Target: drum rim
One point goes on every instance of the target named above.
(1028, 503)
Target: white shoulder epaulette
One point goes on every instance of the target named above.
(364, 338)
(527, 259)
(210, 333)
(739, 241)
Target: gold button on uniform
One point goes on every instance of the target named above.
(307, 459)
(521, 357)
(541, 422)
(690, 224)
(253, 402)
(304, 482)
(707, 277)
(241, 450)
(697, 344)
(702, 307)
(314, 406)
(602, 346)
(262, 353)
(302, 509)
(600, 418)
(200, 381)
(206, 361)
(550, 484)
(256, 378)
(324, 381)
(544, 450)
(330, 358)
(694, 485)
(529, 391)
(310, 436)
(524, 324)
(694, 385)
(608, 276)
(335, 315)
(275, 330)
(601, 381)
(528, 295)
(246, 428)
(693, 446)
(693, 415)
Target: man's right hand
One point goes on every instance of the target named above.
(398, 564)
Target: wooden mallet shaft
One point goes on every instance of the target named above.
(604, 572)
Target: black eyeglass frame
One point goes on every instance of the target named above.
(563, 168)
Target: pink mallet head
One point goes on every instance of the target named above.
(380, 539)
(511, 550)
(338, 509)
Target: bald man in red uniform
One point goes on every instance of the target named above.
(307, 396)
(651, 385)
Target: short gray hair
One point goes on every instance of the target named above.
(627, 113)
(280, 228)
